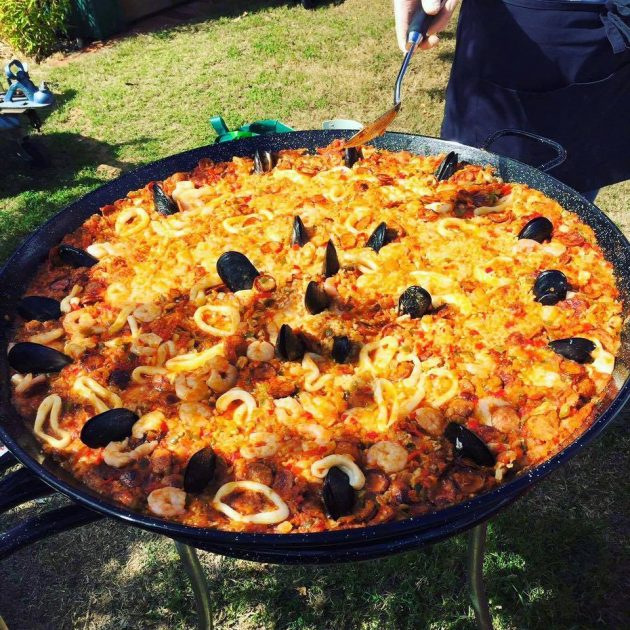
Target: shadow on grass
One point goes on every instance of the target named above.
(563, 573)
(29, 196)
(555, 559)
(447, 56)
(438, 93)
(74, 159)
(449, 33)
(62, 98)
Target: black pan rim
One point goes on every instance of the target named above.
(409, 527)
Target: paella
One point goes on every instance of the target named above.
(300, 342)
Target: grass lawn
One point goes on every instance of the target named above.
(559, 558)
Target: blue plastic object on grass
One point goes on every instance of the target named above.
(23, 97)
(22, 92)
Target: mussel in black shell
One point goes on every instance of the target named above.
(414, 301)
(550, 287)
(331, 260)
(469, 445)
(299, 235)
(163, 203)
(576, 349)
(539, 229)
(351, 155)
(200, 470)
(342, 346)
(28, 357)
(38, 307)
(289, 346)
(264, 161)
(316, 299)
(380, 237)
(447, 167)
(236, 271)
(76, 257)
(114, 425)
(338, 494)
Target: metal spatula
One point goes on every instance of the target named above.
(420, 24)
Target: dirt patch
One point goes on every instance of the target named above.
(108, 172)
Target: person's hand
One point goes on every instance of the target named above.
(404, 10)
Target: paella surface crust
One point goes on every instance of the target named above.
(349, 402)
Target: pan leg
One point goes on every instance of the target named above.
(192, 566)
(476, 549)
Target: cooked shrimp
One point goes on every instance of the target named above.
(81, 322)
(321, 436)
(190, 388)
(389, 456)
(116, 455)
(260, 351)
(167, 501)
(223, 375)
(263, 445)
(147, 312)
(431, 420)
(151, 421)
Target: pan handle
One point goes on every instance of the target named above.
(547, 166)
(48, 524)
(21, 486)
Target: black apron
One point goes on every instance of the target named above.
(559, 69)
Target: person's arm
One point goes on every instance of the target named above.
(404, 10)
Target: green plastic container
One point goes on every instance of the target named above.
(257, 128)
(235, 135)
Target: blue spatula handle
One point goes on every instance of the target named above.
(420, 23)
